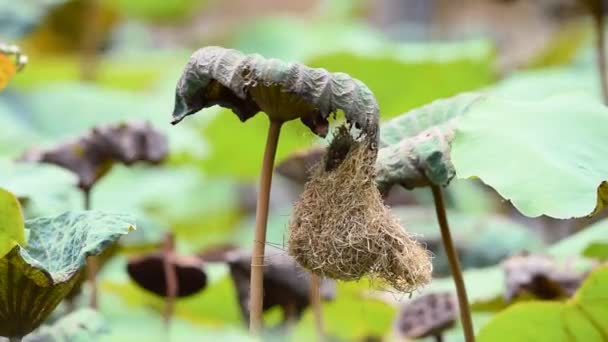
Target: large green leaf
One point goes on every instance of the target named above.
(582, 318)
(416, 145)
(12, 229)
(35, 278)
(546, 156)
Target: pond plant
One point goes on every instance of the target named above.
(248, 84)
(92, 155)
(36, 275)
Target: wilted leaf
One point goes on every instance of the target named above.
(92, 155)
(298, 166)
(540, 276)
(582, 318)
(148, 271)
(35, 278)
(428, 315)
(248, 84)
(286, 284)
(415, 147)
(12, 229)
(546, 156)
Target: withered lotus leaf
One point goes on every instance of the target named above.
(35, 278)
(248, 84)
(539, 275)
(92, 155)
(429, 315)
(286, 283)
(148, 272)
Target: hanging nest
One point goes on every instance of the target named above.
(341, 229)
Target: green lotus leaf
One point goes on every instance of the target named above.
(43, 189)
(582, 318)
(35, 278)
(545, 156)
(12, 229)
(415, 147)
(248, 84)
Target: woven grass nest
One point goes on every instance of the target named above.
(341, 228)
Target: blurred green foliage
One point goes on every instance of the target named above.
(197, 193)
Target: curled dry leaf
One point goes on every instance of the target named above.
(92, 155)
(248, 84)
(36, 277)
(540, 276)
(149, 273)
(428, 315)
(286, 284)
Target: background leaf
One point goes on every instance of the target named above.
(542, 164)
(12, 229)
(581, 318)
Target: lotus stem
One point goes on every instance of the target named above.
(259, 240)
(92, 262)
(600, 47)
(15, 339)
(91, 39)
(315, 303)
(170, 278)
(448, 244)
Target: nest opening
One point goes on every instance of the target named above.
(342, 230)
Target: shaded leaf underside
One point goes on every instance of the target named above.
(248, 84)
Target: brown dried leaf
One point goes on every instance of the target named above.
(148, 272)
(286, 284)
(428, 315)
(92, 155)
(540, 276)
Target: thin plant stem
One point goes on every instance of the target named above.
(91, 39)
(315, 303)
(448, 244)
(15, 339)
(259, 240)
(170, 278)
(600, 47)
(92, 261)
